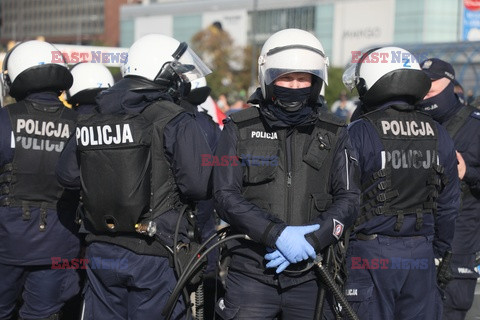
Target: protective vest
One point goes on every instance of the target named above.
(411, 176)
(459, 119)
(126, 178)
(39, 134)
(287, 173)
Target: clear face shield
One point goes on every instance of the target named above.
(350, 77)
(4, 86)
(186, 64)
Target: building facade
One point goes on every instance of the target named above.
(341, 25)
(432, 28)
(61, 21)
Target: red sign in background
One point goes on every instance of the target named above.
(472, 4)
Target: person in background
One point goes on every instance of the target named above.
(470, 97)
(237, 106)
(222, 103)
(89, 79)
(463, 124)
(458, 90)
(343, 108)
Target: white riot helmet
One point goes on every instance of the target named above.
(292, 50)
(88, 80)
(35, 66)
(383, 74)
(165, 61)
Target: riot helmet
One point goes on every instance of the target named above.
(166, 62)
(289, 51)
(88, 80)
(384, 74)
(35, 66)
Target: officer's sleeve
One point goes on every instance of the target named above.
(472, 162)
(472, 177)
(243, 216)
(6, 136)
(67, 169)
(185, 145)
(344, 188)
(210, 128)
(448, 201)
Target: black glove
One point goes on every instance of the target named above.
(444, 274)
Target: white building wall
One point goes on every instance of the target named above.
(235, 22)
(153, 24)
(361, 24)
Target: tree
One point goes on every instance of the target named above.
(335, 86)
(230, 65)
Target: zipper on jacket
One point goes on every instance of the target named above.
(289, 165)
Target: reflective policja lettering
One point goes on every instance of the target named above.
(43, 130)
(104, 135)
(407, 128)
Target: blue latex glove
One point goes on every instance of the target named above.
(293, 245)
(277, 260)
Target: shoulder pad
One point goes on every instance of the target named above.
(331, 118)
(244, 115)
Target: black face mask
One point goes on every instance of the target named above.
(291, 99)
(442, 106)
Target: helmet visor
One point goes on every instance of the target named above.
(294, 58)
(189, 66)
(272, 74)
(350, 77)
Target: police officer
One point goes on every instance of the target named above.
(410, 194)
(289, 183)
(199, 92)
(205, 211)
(38, 237)
(463, 124)
(88, 80)
(140, 161)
